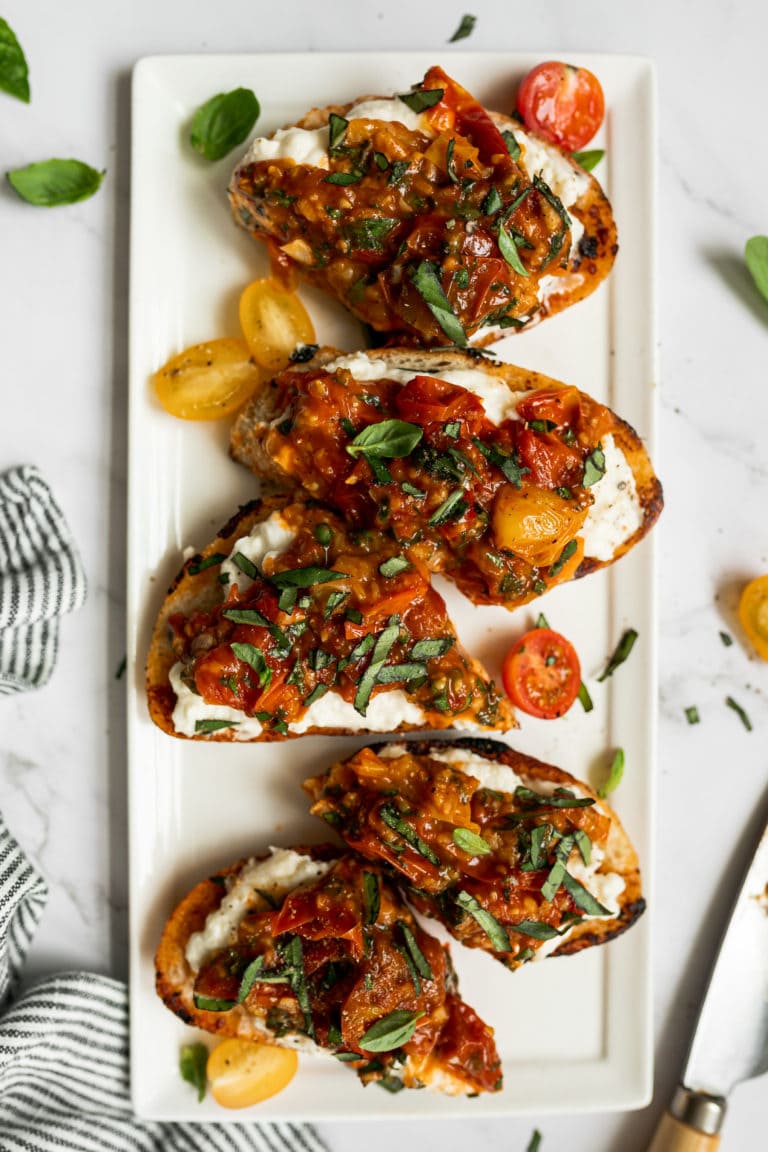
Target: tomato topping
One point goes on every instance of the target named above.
(753, 614)
(541, 673)
(564, 104)
(551, 462)
(559, 406)
(427, 400)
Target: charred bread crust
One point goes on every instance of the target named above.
(251, 423)
(620, 855)
(195, 590)
(588, 265)
(174, 978)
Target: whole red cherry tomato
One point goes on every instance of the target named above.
(564, 104)
(541, 673)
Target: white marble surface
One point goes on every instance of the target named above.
(63, 281)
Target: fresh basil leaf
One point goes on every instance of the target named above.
(495, 932)
(426, 281)
(737, 708)
(553, 881)
(305, 577)
(594, 467)
(287, 600)
(52, 183)
(371, 897)
(536, 929)
(623, 649)
(692, 715)
(392, 1031)
(470, 842)
(556, 568)
(615, 773)
(14, 74)
(756, 256)
(421, 98)
(389, 439)
(344, 178)
(193, 1059)
(464, 29)
(379, 656)
(223, 122)
(401, 673)
(590, 159)
(210, 1004)
(337, 127)
(368, 235)
(254, 658)
(492, 203)
(583, 898)
(429, 649)
(246, 616)
(512, 145)
(509, 251)
(214, 725)
(246, 566)
(452, 508)
(420, 961)
(394, 566)
(208, 562)
(394, 820)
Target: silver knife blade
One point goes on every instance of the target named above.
(730, 1043)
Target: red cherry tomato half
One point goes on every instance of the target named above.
(541, 674)
(564, 104)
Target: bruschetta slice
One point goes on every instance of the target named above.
(512, 855)
(305, 948)
(426, 215)
(292, 622)
(504, 479)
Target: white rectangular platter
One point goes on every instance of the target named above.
(575, 1033)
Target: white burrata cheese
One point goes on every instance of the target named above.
(616, 513)
(498, 399)
(281, 872)
(190, 710)
(310, 145)
(538, 158)
(386, 711)
(267, 539)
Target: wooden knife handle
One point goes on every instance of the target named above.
(692, 1123)
(674, 1136)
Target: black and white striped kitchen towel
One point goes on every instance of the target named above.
(64, 1054)
(41, 578)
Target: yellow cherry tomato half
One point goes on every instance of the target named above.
(242, 1073)
(274, 322)
(208, 380)
(753, 614)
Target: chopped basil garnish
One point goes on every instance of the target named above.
(508, 249)
(394, 820)
(302, 353)
(287, 599)
(401, 673)
(737, 708)
(252, 616)
(615, 773)
(368, 235)
(371, 897)
(594, 467)
(379, 656)
(539, 836)
(556, 568)
(584, 845)
(428, 649)
(337, 127)
(492, 203)
(193, 1059)
(223, 122)
(756, 257)
(450, 164)
(726, 639)
(208, 562)
(560, 798)
(246, 566)
(464, 29)
(512, 145)
(584, 698)
(344, 178)
(381, 161)
(214, 725)
(316, 694)
(399, 169)
(421, 98)
(361, 647)
(354, 615)
(426, 281)
(412, 490)
(394, 566)
(536, 929)
(381, 473)
(692, 715)
(582, 898)
(419, 959)
(554, 201)
(388, 439)
(324, 534)
(452, 429)
(535, 1142)
(334, 600)
(623, 649)
(254, 657)
(589, 159)
(210, 1004)
(509, 465)
(470, 842)
(392, 1031)
(306, 577)
(495, 932)
(452, 508)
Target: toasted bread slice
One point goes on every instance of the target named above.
(512, 855)
(291, 623)
(404, 215)
(546, 483)
(308, 949)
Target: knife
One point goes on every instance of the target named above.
(730, 1043)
